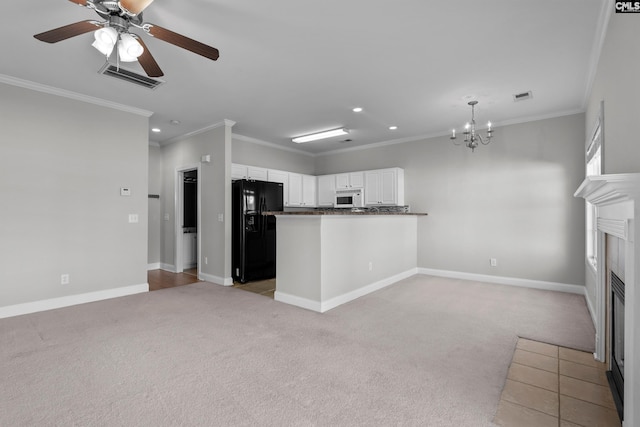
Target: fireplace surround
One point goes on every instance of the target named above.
(617, 199)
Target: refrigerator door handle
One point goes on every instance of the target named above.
(263, 205)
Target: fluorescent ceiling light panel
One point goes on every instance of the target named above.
(320, 135)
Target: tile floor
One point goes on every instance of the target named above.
(555, 386)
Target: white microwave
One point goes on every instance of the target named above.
(351, 198)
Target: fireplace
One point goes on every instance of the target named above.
(615, 304)
(616, 373)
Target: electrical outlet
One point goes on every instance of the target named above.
(166, 217)
(64, 279)
(494, 262)
(220, 217)
(133, 218)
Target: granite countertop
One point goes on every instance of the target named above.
(344, 212)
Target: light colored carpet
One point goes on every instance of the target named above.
(426, 351)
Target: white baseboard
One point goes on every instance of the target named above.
(168, 267)
(323, 306)
(297, 301)
(592, 310)
(357, 293)
(53, 303)
(512, 281)
(154, 266)
(224, 281)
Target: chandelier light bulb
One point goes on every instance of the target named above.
(129, 49)
(472, 138)
(105, 40)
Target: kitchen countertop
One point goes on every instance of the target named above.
(343, 212)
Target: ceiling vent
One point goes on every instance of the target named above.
(129, 76)
(522, 96)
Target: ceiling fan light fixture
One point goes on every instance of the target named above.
(320, 135)
(105, 40)
(129, 49)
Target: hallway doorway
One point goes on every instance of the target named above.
(162, 279)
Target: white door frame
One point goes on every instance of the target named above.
(179, 215)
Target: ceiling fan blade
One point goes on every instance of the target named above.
(183, 42)
(80, 2)
(68, 31)
(148, 63)
(134, 6)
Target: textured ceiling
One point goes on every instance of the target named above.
(292, 67)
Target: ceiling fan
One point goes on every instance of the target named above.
(113, 32)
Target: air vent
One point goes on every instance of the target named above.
(130, 76)
(522, 96)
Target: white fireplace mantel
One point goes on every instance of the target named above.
(617, 199)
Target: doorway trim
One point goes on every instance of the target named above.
(179, 216)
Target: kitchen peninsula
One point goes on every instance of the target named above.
(325, 258)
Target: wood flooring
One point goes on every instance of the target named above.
(161, 279)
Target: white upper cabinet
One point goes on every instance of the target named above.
(295, 189)
(349, 180)
(248, 172)
(259, 174)
(326, 190)
(384, 187)
(238, 171)
(302, 190)
(308, 190)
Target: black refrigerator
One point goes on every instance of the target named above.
(254, 234)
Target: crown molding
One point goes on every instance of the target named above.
(270, 144)
(196, 132)
(26, 84)
(596, 50)
(436, 135)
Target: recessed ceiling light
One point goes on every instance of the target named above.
(320, 135)
(393, 127)
(156, 130)
(357, 109)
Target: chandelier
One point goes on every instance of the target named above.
(471, 137)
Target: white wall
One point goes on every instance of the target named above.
(214, 183)
(62, 213)
(155, 207)
(511, 200)
(616, 83)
